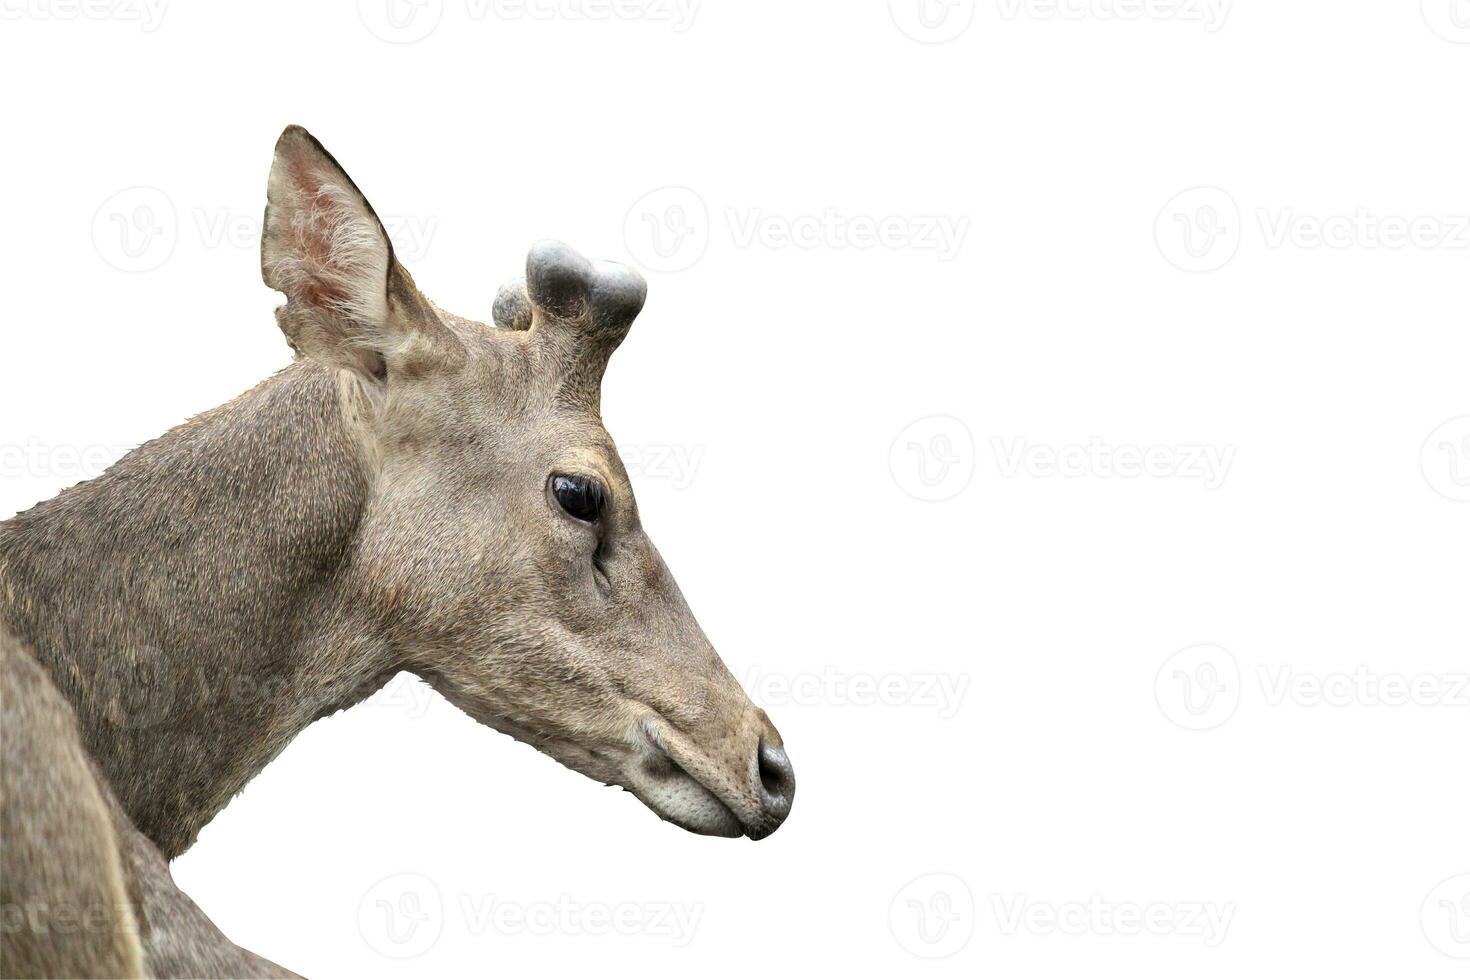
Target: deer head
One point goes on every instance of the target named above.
(501, 551)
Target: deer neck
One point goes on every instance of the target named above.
(192, 602)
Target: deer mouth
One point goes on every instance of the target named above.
(667, 770)
(669, 789)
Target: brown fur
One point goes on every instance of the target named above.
(65, 904)
(82, 892)
(381, 505)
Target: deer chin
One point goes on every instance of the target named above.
(651, 774)
(658, 765)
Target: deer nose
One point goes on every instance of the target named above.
(777, 786)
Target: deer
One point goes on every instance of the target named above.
(416, 491)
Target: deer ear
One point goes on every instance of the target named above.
(324, 247)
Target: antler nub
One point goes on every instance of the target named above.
(559, 280)
(618, 296)
(512, 310)
(590, 308)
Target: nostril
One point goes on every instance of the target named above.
(776, 775)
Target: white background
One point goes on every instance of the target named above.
(1295, 321)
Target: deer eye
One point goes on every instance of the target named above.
(580, 496)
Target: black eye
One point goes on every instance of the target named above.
(580, 496)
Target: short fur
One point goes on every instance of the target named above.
(381, 505)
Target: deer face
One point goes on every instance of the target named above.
(501, 553)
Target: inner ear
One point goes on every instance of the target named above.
(325, 249)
